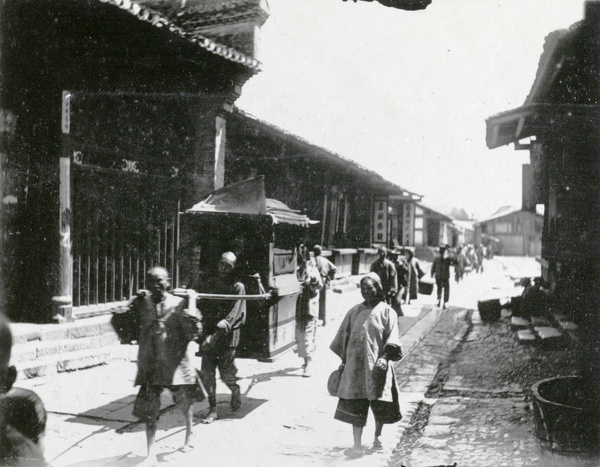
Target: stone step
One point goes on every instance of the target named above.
(549, 336)
(540, 321)
(526, 336)
(25, 332)
(517, 322)
(32, 350)
(568, 326)
(46, 349)
(69, 361)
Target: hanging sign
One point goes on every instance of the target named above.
(66, 112)
(380, 223)
(408, 224)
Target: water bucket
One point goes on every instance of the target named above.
(566, 422)
(425, 287)
(490, 310)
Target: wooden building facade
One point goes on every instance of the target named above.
(113, 120)
(558, 124)
(519, 232)
(433, 228)
(355, 207)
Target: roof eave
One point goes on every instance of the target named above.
(158, 20)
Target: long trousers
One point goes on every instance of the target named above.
(227, 369)
(323, 305)
(443, 284)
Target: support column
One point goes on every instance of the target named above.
(219, 174)
(63, 301)
(324, 224)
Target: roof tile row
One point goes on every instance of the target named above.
(159, 20)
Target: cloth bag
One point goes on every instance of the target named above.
(333, 382)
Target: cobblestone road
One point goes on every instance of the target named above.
(476, 411)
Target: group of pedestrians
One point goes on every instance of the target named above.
(367, 341)
(399, 276)
(469, 258)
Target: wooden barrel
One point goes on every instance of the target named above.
(566, 422)
(490, 310)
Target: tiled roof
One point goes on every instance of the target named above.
(328, 154)
(402, 4)
(159, 19)
(503, 212)
(430, 208)
(201, 15)
(558, 45)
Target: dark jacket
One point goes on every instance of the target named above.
(387, 273)
(441, 268)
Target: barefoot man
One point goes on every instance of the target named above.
(221, 323)
(163, 359)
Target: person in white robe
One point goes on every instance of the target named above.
(368, 342)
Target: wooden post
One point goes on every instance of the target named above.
(63, 301)
(324, 225)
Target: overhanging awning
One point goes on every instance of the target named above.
(531, 120)
(248, 197)
(282, 214)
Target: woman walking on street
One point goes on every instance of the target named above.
(367, 341)
(414, 274)
(307, 309)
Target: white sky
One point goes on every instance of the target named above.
(407, 93)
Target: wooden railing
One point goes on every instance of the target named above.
(121, 228)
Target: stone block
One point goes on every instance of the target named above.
(83, 359)
(549, 336)
(540, 321)
(79, 331)
(53, 332)
(545, 332)
(36, 368)
(517, 322)
(568, 325)
(24, 337)
(526, 336)
(45, 349)
(23, 352)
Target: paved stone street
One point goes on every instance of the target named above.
(464, 387)
(285, 419)
(477, 410)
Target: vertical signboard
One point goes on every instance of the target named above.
(408, 225)
(380, 221)
(66, 112)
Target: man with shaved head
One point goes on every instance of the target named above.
(221, 324)
(164, 359)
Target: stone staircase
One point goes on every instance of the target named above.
(47, 349)
(552, 331)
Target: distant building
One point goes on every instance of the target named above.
(466, 231)
(434, 228)
(518, 232)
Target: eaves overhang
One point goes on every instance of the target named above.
(159, 20)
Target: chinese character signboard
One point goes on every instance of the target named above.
(408, 224)
(380, 221)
